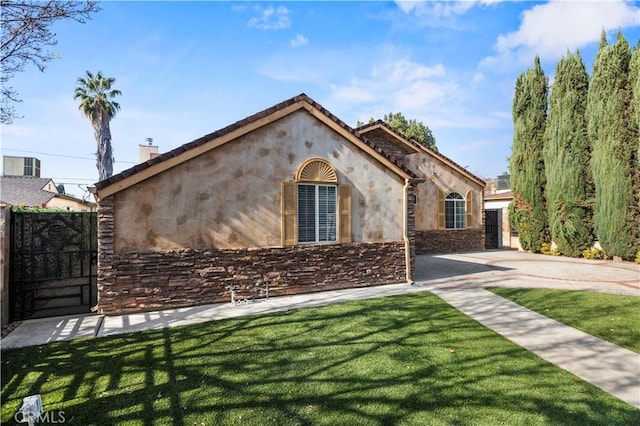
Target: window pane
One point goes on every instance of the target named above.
(28, 167)
(454, 211)
(449, 216)
(327, 213)
(306, 213)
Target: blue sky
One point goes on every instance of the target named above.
(186, 69)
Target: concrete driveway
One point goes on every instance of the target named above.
(527, 270)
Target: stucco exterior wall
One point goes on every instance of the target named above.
(70, 205)
(230, 197)
(447, 180)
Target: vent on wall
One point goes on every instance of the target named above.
(317, 170)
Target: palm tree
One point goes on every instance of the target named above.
(96, 103)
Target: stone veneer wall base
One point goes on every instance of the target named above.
(143, 281)
(449, 240)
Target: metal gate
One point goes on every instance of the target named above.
(52, 263)
(491, 229)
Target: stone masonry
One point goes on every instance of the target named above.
(451, 240)
(142, 281)
(159, 280)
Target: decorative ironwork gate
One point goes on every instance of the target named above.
(492, 229)
(53, 263)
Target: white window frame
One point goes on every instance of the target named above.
(455, 204)
(317, 215)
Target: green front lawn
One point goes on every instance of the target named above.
(406, 360)
(611, 317)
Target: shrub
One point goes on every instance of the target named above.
(545, 248)
(593, 253)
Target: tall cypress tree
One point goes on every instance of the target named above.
(634, 80)
(569, 186)
(614, 149)
(528, 211)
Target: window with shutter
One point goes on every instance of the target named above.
(440, 209)
(317, 221)
(315, 208)
(454, 211)
(344, 201)
(289, 214)
(469, 209)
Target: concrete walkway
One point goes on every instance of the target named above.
(459, 279)
(612, 368)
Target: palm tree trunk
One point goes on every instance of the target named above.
(104, 156)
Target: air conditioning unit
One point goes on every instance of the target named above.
(21, 166)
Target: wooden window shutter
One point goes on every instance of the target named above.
(440, 209)
(344, 210)
(289, 214)
(469, 208)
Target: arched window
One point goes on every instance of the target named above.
(454, 211)
(317, 202)
(316, 209)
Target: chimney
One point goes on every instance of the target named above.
(148, 151)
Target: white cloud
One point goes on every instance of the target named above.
(400, 85)
(271, 18)
(299, 40)
(477, 78)
(366, 85)
(550, 29)
(410, 71)
(446, 8)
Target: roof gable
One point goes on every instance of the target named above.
(381, 133)
(380, 127)
(227, 134)
(27, 190)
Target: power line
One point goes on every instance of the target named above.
(70, 178)
(61, 155)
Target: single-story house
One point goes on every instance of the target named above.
(288, 200)
(31, 191)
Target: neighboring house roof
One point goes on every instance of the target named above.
(213, 140)
(412, 145)
(27, 190)
(30, 191)
(507, 195)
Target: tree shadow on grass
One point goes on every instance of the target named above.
(409, 359)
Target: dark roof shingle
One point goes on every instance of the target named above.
(27, 190)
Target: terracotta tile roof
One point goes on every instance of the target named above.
(241, 123)
(412, 141)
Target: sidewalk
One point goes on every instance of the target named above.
(611, 368)
(457, 279)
